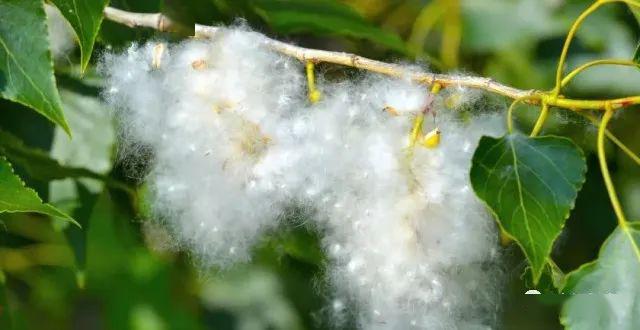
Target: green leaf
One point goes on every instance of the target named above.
(118, 263)
(530, 184)
(77, 237)
(26, 69)
(572, 279)
(15, 197)
(94, 133)
(37, 162)
(324, 17)
(39, 165)
(109, 240)
(605, 294)
(85, 17)
(636, 12)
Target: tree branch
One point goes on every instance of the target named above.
(160, 22)
(156, 21)
(359, 62)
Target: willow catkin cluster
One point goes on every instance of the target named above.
(235, 143)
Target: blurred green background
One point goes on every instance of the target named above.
(120, 272)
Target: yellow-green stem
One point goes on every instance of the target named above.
(451, 34)
(435, 89)
(416, 129)
(577, 105)
(512, 108)
(615, 202)
(567, 43)
(615, 140)
(544, 113)
(613, 196)
(572, 32)
(424, 22)
(314, 94)
(587, 65)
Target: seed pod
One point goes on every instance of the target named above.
(199, 65)
(431, 139)
(314, 96)
(391, 110)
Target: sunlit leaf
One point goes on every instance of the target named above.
(26, 68)
(530, 184)
(324, 17)
(16, 197)
(39, 164)
(605, 294)
(93, 130)
(85, 17)
(36, 162)
(92, 145)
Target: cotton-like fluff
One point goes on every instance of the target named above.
(204, 109)
(235, 142)
(417, 250)
(411, 245)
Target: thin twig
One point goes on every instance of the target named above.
(162, 23)
(156, 21)
(363, 63)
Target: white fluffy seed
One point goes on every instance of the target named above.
(235, 142)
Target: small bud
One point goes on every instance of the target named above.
(199, 65)
(224, 105)
(431, 139)
(391, 110)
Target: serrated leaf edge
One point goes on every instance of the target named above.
(538, 273)
(59, 120)
(24, 185)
